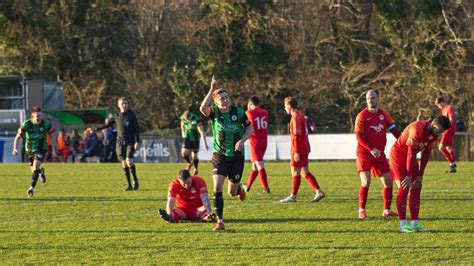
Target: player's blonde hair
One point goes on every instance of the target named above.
(291, 101)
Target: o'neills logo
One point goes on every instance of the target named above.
(154, 150)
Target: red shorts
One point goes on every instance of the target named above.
(367, 162)
(257, 150)
(189, 213)
(447, 138)
(398, 168)
(303, 162)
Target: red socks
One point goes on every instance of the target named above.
(312, 181)
(296, 184)
(363, 193)
(175, 216)
(448, 155)
(387, 198)
(263, 178)
(415, 199)
(451, 154)
(252, 176)
(402, 196)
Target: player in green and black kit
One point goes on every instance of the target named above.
(34, 132)
(230, 129)
(191, 131)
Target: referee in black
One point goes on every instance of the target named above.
(127, 140)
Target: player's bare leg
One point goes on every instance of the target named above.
(195, 162)
(236, 189)
(186, 156)
(365, 179)
(387, 195)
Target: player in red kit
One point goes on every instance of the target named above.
(300, 150)
(446, 143)
(187, 200)
(417, 137)
(258, 142)
(370, 128)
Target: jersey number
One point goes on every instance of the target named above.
(261, 123)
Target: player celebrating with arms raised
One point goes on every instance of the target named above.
(258, 142)
(417, 137)
(370, 128)
(230, 130)
(300, 150)
(34, 132)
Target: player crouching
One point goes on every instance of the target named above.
(187, 200)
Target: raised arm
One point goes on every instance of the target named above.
(203, 136)
(205, 108)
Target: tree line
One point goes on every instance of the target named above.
(162, 54)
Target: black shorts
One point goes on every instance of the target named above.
(124, 150)
(231, 167)
(35, 156)
(191, 145)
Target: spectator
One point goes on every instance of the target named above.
(64, 145)
(94, 146)
(110, 140)
(77, 144)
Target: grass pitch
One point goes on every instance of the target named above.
(82, 215)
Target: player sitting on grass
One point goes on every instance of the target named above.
(187, 200)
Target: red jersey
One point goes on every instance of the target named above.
(372, 128)
(188, 198)
(299, 134)
(450, 113)
(259, 119)
(416, 138)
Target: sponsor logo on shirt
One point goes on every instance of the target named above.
(377, 128)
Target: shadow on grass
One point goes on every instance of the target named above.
(83, 199)
(234, 229)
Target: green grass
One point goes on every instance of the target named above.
(82, 215)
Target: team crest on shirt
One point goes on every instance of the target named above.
(377, 128)
(381, 117)
(125, 123)
(193, 190)
(234, 118)
(41, 129)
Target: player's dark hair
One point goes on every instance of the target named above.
(35, 109)
(291, 101)
(254, 100)
(439, 99)
(442, 121)
(184, 174)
